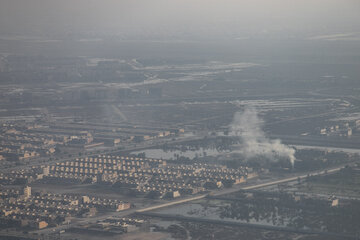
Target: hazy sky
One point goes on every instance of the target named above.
(209, 17)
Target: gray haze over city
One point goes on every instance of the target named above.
(194, 19)
(179, 119)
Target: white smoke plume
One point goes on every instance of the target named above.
(248, 126)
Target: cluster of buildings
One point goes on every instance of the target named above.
(114, 225)
(19, 142)
(112, 134)
(146, 175)
(343, 130)
(23, 176)
(22, 208)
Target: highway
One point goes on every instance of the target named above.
(171, 203)
(240, 187)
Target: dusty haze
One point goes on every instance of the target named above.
(185, 18)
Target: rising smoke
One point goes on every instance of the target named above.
(248, 126)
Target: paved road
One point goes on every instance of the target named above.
(241, 187)
(171, 203)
